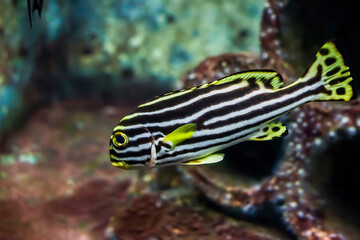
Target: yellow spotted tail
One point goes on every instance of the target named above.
(329, 67)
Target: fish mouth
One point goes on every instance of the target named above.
(118, 163)
(115, 161)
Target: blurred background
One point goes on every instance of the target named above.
(113, 51)
(66, 82)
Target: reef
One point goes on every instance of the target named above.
(166, 220)
(56, 180)
(56, 185)
(93, 49)
(294, 184)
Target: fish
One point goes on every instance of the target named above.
(191, 126)
(34, 5)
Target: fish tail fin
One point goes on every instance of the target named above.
(329, 73)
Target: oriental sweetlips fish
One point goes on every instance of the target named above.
(190, 126)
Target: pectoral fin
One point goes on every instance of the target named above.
(270, 131)
(179, 135)
(206, 160)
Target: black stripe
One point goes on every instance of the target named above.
(264, 110)
(264, 98)
(185, 151)
(205, 103)
(129, 162)
(185, 97)
(333, 71)
(278, 95)
(214, 100)
(189, 110)
(216, 135)
(142, 153)
(250, 115)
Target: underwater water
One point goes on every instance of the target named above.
(68, 77)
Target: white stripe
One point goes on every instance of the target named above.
(140, 146)
(261, 105)
(182, 92)
(189, 119)
(259, 118)
(206, 151)
(196, 99)
(233, 126)
(145, 135)
(141, 158)
(189, 156)
(206, 143)
(166, 97)
(203, 144)
(141, 135)
(134, 149)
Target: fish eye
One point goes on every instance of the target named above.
(120, 139)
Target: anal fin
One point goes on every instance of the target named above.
(214, 158)
(269, 131)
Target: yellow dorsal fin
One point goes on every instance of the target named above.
(214, 158)
(268, 79)
(180, 134)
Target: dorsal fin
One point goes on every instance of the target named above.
(262, 78)
(267, 79)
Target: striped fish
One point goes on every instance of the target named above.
(190, 126)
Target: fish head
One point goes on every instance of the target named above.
(131, 148)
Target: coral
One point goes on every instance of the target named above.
(163, 219)
(56, 181)
(73, 192)
(311, 126)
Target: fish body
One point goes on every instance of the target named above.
(190, 126)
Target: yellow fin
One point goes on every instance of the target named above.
(268, 79)
(330, 69)
(180, 134)
(270, 131)
(214, 158)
